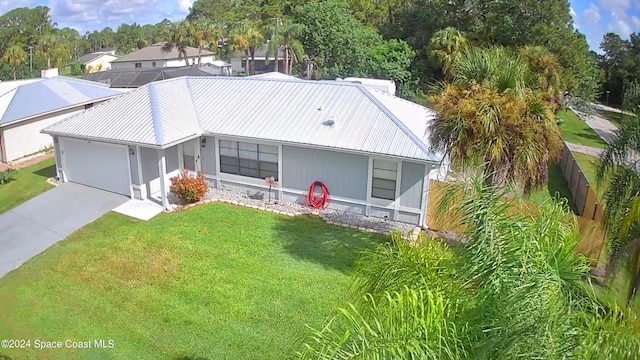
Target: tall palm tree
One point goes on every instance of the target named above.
(514, 290)
(446, 45)
(287, 39)
(180, 38)
(47, 45)
(620, 165)
(255, 38)
(548, 71)
(205, 34)
(243, 40)
(15, 56)
(490, 118)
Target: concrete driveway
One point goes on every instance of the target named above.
(32, 227)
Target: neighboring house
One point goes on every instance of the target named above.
(217, 68)
(98, 61)
(37, 103)
(369, 148)
(155, 57)
(265, 61)
(388, 86)
(135, 78)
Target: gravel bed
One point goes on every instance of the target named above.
(330, 215)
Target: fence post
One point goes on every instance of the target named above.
(595, 211)
(575, 195)
(586, 197)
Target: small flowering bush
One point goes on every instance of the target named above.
(189, 188)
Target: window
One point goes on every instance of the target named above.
(246, 159)
(384, 178)
(153, 64)
(189, 156)
(137, 65)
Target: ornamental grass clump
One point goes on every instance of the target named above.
(189, 188)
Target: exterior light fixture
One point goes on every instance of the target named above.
(203, 142)
(131, 152)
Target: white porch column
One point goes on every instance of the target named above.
(142, 185)
(162, 166)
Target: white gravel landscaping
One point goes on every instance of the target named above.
(342, 218)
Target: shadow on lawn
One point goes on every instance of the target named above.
(49, 171)
(309, 238)
(558, 186)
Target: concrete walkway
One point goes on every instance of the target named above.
(34, 226)
(588, 150)
(603, 127)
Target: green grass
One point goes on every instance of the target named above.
(213, 282)
(27, 183)
(556, 188)
(575, 130)
(589, 165)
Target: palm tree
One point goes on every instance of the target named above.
(287, 39)
(180, 39)
(47, 45)
(446, 45)
(546, 67)
(490, 118)
(620, 165)
(514, 289)
(241, 41)
(205, 34)
(15, 56)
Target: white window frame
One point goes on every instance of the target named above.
(246, 179)
(377, 202)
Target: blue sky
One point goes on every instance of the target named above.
(593, 18)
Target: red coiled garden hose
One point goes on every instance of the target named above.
(317, 202)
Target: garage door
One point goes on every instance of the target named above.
(100, 165)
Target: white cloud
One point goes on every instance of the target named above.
(184, 6)
(572, 12)
(591, 16)
(6, 5)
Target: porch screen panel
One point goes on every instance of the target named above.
(384, 179)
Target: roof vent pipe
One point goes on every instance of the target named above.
(329, 122)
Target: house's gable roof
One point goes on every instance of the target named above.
(85, 59)
(155, 52)
(288, 111)
(48, 94)
(134, 78)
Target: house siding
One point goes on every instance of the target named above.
(24, 138)
(133, 164)
(411, 185)
(208, 157)
(345, 175)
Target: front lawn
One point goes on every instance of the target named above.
(28, 183)
(213, 282)
(576, 131)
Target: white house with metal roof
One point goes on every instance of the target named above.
(369, 148)
(155, 56)
(33, 104)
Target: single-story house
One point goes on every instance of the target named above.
(154, 56)
(265, 60)
(135, 78)
(37, 103)
(217, 68)
(369, 148)
(97, 61)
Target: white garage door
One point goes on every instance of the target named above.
(100, 165)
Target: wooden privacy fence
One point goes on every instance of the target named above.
(592, 235)
(585, 198)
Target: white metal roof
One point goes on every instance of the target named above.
(289, 111)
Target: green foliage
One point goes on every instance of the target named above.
(189, 188)
(76, 68)
(491, 118)
(619, 166)
(6, 176)
(514, 289)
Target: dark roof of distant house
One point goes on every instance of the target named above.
(155, 52)
(134, 78)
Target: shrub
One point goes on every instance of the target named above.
(6, 176)
(189, 188)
